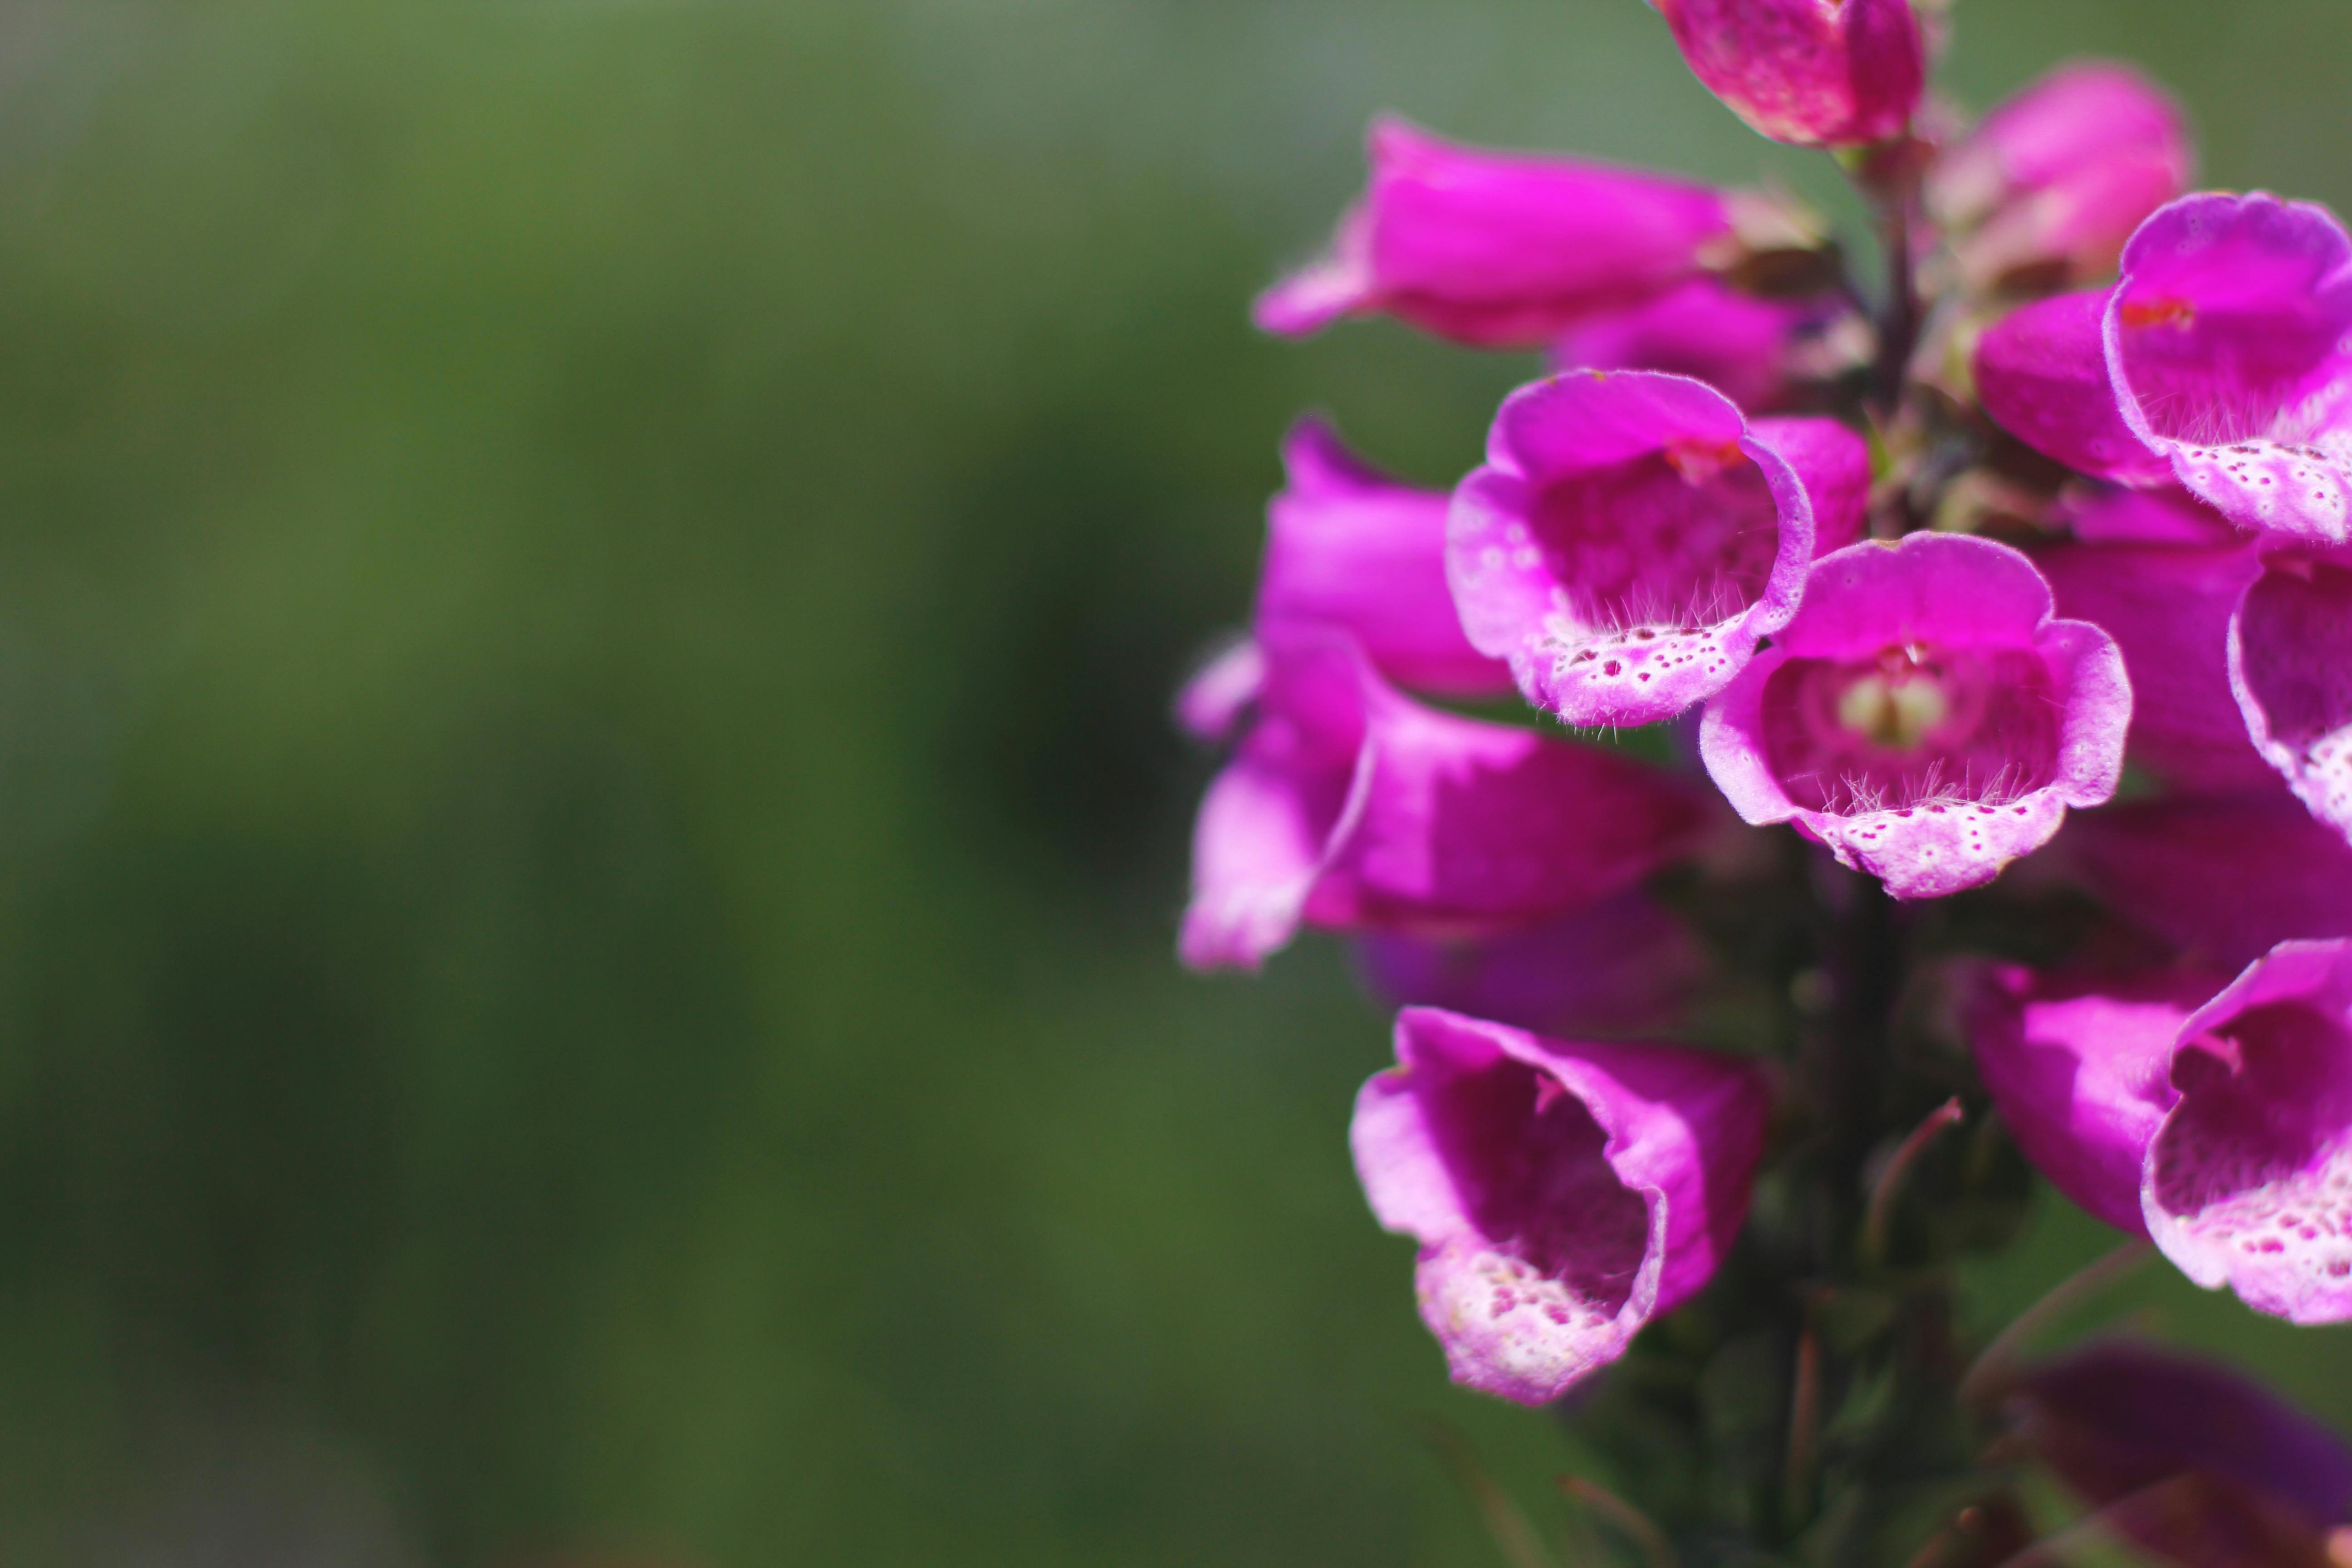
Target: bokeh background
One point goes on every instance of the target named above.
(589, 840)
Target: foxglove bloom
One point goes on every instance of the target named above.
(2186, 1457)
(1563, 1193)
(2169, 608)
(2229, 345)
(1924, 715)
(1501, 249)
(1632, 536)
(1759, 352)
(2239, 1120)
(1349, 805)
(2290, 654)
(1348, 547)
(2042, 374)
(1811, 72)
(2220, 879)
(2052, 182)
(1623, 967)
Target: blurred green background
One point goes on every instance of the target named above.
(589, 841)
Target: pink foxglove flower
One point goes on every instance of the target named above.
(2191, 1460)
(2042, 375)
(1349, 805)
(1620, 968)
(2229, 344)
(2290, 656)
(2168, 607)
(1759, 352)
(2241, 1113)
(1499, 249)
(2052, 182)
(1632, 536)
(1563, 1195)
(2220, 879)
(1346, 546)
(1811, 72)
(1923, 714)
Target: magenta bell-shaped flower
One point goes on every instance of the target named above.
(1351, 807)
(2229, 1121)
(1632, 536)
(2229, 345)
(1811, 72)
(2290, 659)
(1500, 249)
(2195, 1462)
(1346, 546)
(1924, 715)
(2052, 182)
(1563, 1193)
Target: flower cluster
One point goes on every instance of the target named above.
(1925, 578)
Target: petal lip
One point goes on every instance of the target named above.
(1932, 589)
(2238, 310)
(1528, 1227)
(1668, 628)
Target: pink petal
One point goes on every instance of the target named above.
(2290, 663)
(2042, 375)
(1811, 72)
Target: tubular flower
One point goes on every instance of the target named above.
(1632, 536)
(2221, 879)
(1623, 967)
(2168, 607)
(2290, 654)
(1759, 352)
(1922, 714)
(2229, 344)
(2186, 1457)
(1349, 805)
(1500, 249)
(1563, 1193)
(2050, 184)
(1811, 72)
(1348, 547)
(2042, 375)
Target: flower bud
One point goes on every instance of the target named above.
(1811, 72)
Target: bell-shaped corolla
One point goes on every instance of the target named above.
(1351, 807)
(2042, 375)
(1563, 1193)
(2168, 607)
(2186, 1457)
(1347, 546)
(2050, 184)
(2290, 653)
(1502, 249)
(1924, 714)
(2229, 346)
(2220, 880)
(1632, 536)
(1813, 73)
(1621, 968)
(2240, 1113)
(1762, 352)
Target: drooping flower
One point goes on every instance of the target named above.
(1923, 714)
(2168, 607)
(1811, 72)
(2290, 654)
(2042, 375)
(2222, 879)
(2053, 181)
(2229, 344)
(1351, 807)
(1350, 547)
(1504, 249)
(1760, 353)
(1620, 968)
(1630, 536)
(2191, 1460)
(1563, 1193)
(2241, 1114)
